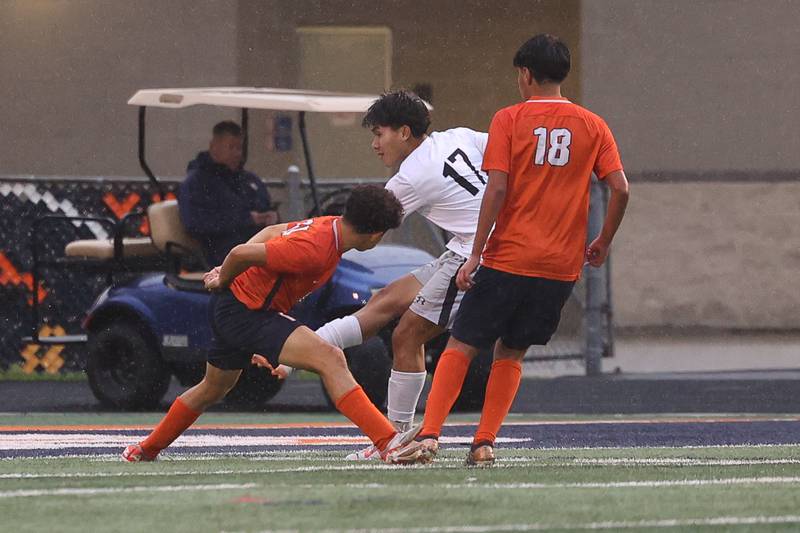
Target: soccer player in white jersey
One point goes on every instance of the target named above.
(438, 175)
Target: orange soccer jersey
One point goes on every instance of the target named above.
(303, 258)
(549, 147)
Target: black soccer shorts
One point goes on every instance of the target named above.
(519, 310)
(240, 332)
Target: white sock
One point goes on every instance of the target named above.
(343, 332)
(404, 391)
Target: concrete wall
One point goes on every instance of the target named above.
(70, 65)
(69, 68)
(462, 49)
(704, 91)
(691, 90)
(696, 86)
(709, 255)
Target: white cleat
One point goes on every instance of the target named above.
(370, 453)
(402, 449)
(135, 454)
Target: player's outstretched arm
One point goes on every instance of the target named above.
(598, 249)
(242, 257)
(493, 198)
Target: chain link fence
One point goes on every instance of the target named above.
(66, 294)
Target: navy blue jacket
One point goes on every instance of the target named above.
(215, 205)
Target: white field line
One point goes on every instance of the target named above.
(55, 441)
(259, 455)
(665, 447)
(319, 456)
(594, 485)
(678, 419)
(301, 454)
(668, 461)
(107, 490)
(451, 462)
(610, 525)
(227, 472)
(455, 464)
(262, 455)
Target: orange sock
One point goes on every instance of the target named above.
(356, 406)
(500, 392)
(178, 419)
(447, 382)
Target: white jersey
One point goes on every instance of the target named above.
(442, 180)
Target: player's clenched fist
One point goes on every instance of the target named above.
(211, 279)
(464, 277)
(597, 252)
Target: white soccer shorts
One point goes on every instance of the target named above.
(439, 298)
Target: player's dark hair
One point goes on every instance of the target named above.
(396, 109)
(372, 209)
(227, 127)
(546, 57)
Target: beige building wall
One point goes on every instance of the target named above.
(463, 49)
(696, 86)
(692, 90)
(702, 91)
(69, 68)
(720, 255)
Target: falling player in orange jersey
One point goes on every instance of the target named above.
(254, 288)
(539, 157)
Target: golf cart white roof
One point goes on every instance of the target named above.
(256, 98)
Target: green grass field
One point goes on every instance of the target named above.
(743, 488)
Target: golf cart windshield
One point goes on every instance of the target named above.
(246, 98)
(256, 98)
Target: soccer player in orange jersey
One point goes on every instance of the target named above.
(540, 156)
(255, 287)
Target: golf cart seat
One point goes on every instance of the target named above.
(168, 238)
(168, 233)
(171, 238)
(104, 248)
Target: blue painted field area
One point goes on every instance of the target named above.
(36, 441)
(246, 472)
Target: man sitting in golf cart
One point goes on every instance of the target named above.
(221, 204)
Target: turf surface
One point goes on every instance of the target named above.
(745, 487)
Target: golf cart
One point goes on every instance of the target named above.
(142, 331)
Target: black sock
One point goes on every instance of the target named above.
(476, 445)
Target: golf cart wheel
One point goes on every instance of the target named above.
(371, 366)
(124, 367)
(256, 386)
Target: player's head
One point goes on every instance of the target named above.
(399, 121)
(225, 147)
(544, 59)
(370, 212)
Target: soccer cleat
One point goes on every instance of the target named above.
(426, 447)
(481, 456)
(135, 454)
(403, 449)
(430, 447)
(369, 453)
